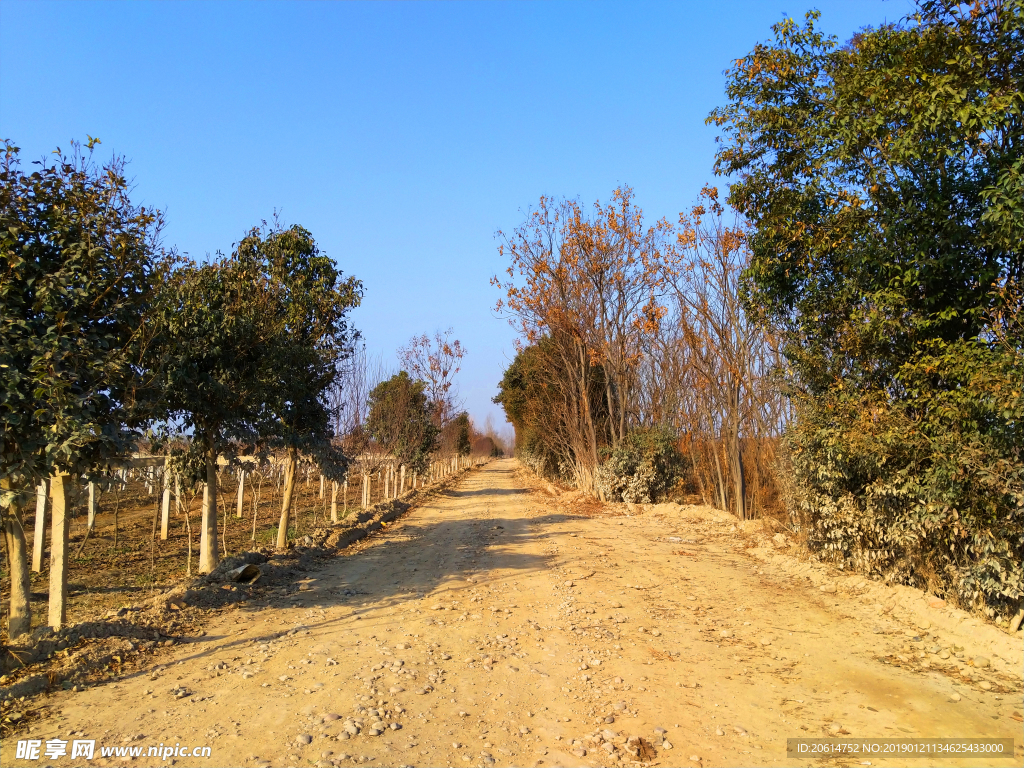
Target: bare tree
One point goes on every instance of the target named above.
(348, 398)
(436, 361)
(729, 357)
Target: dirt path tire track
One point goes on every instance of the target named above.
(499, 603)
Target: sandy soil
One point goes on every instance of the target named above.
(498, 625)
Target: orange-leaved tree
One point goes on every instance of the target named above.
(593, 283)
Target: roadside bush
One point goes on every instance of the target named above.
(928, 491)
(643, 468)
(886, 235)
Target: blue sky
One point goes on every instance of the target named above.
(402, 135)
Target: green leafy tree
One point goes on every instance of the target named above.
(456, 434)
(248, 346)
(312, 301)
(213, 326)
(76, 282)
(523, 395)
(538, 396)
(400, 420)
(884, 183)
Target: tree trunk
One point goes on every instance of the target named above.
(19, 620)
(224, 533)
(611, 409)
(209, 554)
(724, 505)
(58, 552)
(152, 542)
(255, 493)
(165, 510)
(188, 532)
(739, 485)
(590, 469)
(286, 497)
(696, 473)
(117, 508)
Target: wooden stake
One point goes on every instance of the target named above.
(334, 502)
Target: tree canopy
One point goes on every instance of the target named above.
(80, 263)
(310, 301)
(248, 346)
(884, 180)
(401, 420)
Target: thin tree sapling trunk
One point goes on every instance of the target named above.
(116, 487)
(152, 541)
(286, 497)
(723, 504)
(697, 474)
(188, 533)
(241, 494)
(39, 542)
(256, 491)
(739, 485)
(224, 537)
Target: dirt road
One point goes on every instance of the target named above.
(494, 626)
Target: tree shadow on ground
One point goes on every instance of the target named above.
(496, 492)
(432, 557)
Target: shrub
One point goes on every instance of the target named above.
(642, 469)
(928, 491)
